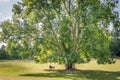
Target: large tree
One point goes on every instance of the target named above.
(71, 31)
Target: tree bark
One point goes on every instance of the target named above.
(70, 66)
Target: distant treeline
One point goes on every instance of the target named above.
(4, 55)
(115, 43)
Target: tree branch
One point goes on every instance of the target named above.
(55, 35)
(58, 47)
(66, 7)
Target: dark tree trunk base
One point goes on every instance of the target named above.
(70, 66)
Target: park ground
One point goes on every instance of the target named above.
(29, 70)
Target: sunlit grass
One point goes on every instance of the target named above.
(29, 70)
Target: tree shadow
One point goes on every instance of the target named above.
(78, 74)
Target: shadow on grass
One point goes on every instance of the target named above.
(78, 74)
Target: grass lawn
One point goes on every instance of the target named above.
(29, 70)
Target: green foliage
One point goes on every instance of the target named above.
(3, 53)
(16, 9)
(18, 38)
(72, 31)
(115, 43)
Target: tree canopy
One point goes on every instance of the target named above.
(71, 31)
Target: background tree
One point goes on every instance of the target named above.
(72, 31)
(115, 44)
(3, 54)
(17, 39)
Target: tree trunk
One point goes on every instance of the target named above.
(70, 66)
